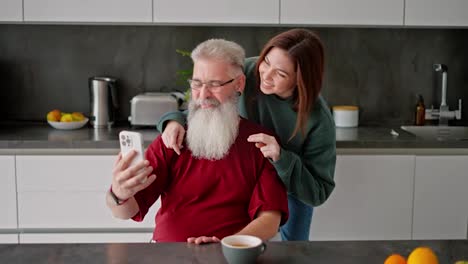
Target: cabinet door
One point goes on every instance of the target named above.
(68, 192)
(436, 13)
(372, 200)
(11, 10)
(216, 11)
(8, 220)
(342, 12)
(88, 11)
(441, 197)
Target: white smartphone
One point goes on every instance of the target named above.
(132, 140)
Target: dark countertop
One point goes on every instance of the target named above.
(277, 252)
(40, 136)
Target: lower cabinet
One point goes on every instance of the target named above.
(8, 220)
(441, 197)
(62, 199)
(372, 200)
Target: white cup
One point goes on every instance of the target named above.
(242, 249)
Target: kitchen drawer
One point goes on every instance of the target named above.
(64, 173)
(61, 209)
(51, 238)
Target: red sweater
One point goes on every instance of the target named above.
(200, 197)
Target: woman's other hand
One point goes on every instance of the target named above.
(173, 136)
(267, 145)
(128, 180)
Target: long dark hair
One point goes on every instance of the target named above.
(307, 52)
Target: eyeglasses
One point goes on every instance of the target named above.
(213, 86)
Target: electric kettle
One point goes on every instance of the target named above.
(104, 104)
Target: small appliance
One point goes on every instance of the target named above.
(146, 109)
(104, 104)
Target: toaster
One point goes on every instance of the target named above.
(146, 109)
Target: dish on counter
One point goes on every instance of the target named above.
(68, 125)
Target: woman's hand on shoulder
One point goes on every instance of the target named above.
(173, 136)
(267, 145)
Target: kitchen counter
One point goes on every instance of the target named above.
(277, 252)
(31, 138)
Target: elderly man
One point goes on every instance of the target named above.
(220, 184)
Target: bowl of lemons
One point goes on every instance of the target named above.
(66, 121)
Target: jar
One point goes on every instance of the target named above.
(346, 115)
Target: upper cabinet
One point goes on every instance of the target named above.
(216, 11)
(436, 13)
(11, 10)
(398, 13)
(342, 12)
(88, 11)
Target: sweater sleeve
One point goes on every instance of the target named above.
(179, 117)
(159, 157)
(309, 176)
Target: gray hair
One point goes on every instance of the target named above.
(221, 49)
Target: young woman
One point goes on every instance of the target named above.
(282, 93)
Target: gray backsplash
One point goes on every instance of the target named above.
(381, 70)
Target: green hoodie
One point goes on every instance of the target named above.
(306, 164)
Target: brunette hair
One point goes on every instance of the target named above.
(307, 53)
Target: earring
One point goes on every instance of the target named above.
(238, 93)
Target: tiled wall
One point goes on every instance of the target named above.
(380, 69)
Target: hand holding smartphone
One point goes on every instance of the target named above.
(132, 140)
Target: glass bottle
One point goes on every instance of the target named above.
(420, 113)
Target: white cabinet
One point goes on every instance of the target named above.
(441, 197)
(216, 11)
(11, 10)
(88, 10)
(8, 220)
(436, 13)
(342, 12)
(66, 194)
(372, 200)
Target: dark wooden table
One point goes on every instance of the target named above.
(330, 252)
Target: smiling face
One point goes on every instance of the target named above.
(215, 71)
(277, 74)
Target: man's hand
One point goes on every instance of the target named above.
(173, 136)
(203, 240)
(127, 181)
(267, 145)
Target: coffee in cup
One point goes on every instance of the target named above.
(242, 249)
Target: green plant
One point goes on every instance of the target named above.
(183, 75)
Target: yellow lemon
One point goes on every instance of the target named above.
(395, 259)
(66, 118)
(422, 255)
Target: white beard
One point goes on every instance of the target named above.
(212, 131)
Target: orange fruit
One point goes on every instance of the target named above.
(395, 259)
(422, 255)
(54, 115)
(77, 116)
